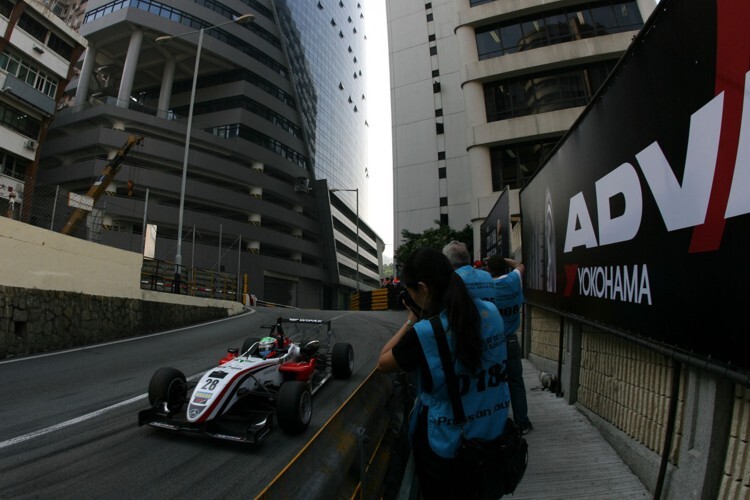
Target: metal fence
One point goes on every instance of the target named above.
(210, 259)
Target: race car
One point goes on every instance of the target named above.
(269, 378)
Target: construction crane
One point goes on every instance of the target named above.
(101, 183)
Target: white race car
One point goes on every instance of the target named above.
(237, 400)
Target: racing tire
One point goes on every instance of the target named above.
(247, 344)
(168, 385)
(342, 360)
(294, 407)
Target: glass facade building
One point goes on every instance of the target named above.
(271, 132)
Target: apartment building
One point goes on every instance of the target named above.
(482, 90)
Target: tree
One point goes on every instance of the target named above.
(433, 238)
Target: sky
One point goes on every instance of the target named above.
(380, 158)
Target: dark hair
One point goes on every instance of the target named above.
(432, 268)
(497, 266)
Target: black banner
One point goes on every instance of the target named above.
(495, 229)
(639, 219)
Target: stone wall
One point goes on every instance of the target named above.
(33, 320)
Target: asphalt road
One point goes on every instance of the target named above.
(68, 420)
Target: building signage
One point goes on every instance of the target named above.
(640, 219)
(80, 201)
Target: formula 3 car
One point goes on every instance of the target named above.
(269, 378)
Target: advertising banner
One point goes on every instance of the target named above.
(640, 219)
(495, 229)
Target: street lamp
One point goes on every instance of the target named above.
(356, 191)
(243, 19)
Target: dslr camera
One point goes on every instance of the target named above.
(405, 298)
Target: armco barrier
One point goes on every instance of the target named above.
(334, 464)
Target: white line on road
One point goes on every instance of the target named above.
(68, 423)
(77, 420)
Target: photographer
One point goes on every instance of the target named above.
(474, 330)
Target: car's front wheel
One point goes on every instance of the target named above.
(168, 389)
(294, 407)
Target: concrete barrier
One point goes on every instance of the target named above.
(336, 458)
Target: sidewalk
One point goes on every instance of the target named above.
(568, 458)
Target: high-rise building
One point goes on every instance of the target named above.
(276, 162)
(482, 90)
(38, 52)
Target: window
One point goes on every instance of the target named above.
(441, 155)
(435, 73)
(439, 128)
(56, 44)
(545, 91)
(443, 219)
(320, 6)
(441, 173)
(333, 22)
(443, 201)
(428, 5)
(439, 112)
(514, 164)
(28, 72)
(597, 18)
(433, 51)
(12, 166)
(435, 87)
(431, 38)
(429, 17)
(33, 27)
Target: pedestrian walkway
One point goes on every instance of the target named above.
(568, 458)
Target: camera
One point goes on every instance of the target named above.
(405, 298)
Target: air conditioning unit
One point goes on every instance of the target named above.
(31, 144)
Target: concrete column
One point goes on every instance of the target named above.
(476, 113)
(707, 420)
(128, 71)
(467, 44)
(571, 368)
(481, 180)
(82, 91)
(165, 93)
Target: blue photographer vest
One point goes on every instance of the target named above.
(484, 395)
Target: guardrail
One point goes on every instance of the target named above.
(159, 276)
(350, 455)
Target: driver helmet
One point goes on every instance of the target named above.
(266, 345)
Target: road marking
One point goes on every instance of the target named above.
(77, 420)
(68, 423)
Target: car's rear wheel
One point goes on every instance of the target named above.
(168, 389)
(247, 344)
(342, 360)
(294, 407)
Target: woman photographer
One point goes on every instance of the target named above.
(474, 330)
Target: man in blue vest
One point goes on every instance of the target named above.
(509, 301)
(478, 281)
